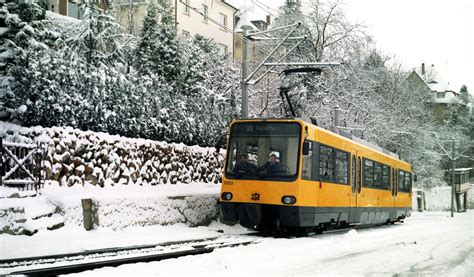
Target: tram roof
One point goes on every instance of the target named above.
(335, 131)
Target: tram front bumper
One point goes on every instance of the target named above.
(254, 215)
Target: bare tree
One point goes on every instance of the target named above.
(331, 31)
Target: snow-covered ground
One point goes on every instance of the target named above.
(427, 244)
(75, 239)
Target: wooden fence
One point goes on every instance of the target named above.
(21, 165)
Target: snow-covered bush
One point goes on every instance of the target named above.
(89, 74)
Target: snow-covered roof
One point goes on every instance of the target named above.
(230, 5)
(449, 97)
(444, 94)
(247, 13)
(434, 79)
(463, 169)
(61, 18)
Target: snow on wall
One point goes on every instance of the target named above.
(119, 207)
(439, 199)
(74, 157)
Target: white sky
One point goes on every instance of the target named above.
(438, 32)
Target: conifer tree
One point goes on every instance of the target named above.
(100, 40)
(158, 50)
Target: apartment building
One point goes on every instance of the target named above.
(214, 19)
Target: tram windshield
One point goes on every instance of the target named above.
(263, 151)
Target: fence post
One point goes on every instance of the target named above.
(424, 201)
(38, 164)
(419, 200)
(2, 167)
(87, 213)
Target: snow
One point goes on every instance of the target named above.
(43, 223)
(7, 192)
(426, 244)
(3, 30)
(122, 206)
(74, 239)
(439, 198)
(61, 18)
(34, 207)
(429, 243)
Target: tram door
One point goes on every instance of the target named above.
(394, 186)
(355, 186)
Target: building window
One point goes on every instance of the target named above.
(186, 7)
(223, 19)
(205, 12)
(223, 49)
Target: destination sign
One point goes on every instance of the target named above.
(265, 129)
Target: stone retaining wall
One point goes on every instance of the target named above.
(74, 157)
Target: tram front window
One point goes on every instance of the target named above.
(263, 151)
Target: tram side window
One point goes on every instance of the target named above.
(377, 175)
(326, 163)
(386, 177)
(342, 167)
(407, 182)
(307, 173)
(401, 180)
(368, 173)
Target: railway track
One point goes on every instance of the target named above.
(81, 261)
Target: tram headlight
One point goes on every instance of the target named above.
(226, 196)
(288, 199)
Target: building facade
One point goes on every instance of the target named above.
(427, 80)
(214, 19)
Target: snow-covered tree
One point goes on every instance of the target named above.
(21, 43)
(99, 38)
(158, 49)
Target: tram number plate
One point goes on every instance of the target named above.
(255, 196)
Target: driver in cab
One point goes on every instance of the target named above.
(272, 166)
(243, 165)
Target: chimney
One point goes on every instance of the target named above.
(423, 69)
(268, 20)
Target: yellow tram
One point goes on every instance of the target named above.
(290, 174)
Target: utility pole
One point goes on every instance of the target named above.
(336, 119)
(453, 161)
(244, 113)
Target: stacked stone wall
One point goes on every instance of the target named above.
(73, 157)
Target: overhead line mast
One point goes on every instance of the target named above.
(298, 67)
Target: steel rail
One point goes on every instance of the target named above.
(75, 268)
(101, 251)
(198, 246)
